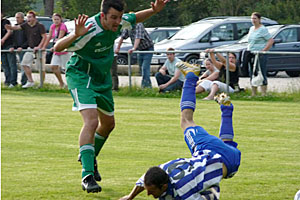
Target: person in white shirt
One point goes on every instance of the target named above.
(205, 80)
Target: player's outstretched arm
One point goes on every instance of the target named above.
(80, 30)
(156, 7)
(135, 191)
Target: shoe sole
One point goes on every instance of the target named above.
(95, 189)
(223, 99)
(186, 69)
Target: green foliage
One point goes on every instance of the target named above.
(71, 8)
(39, 146)
(176, 13)
(10, 8)
(285, 12)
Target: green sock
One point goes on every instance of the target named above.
(87, 153)
(99, 142)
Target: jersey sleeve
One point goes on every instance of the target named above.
(128, 21)
(80, 42)
(140, 182)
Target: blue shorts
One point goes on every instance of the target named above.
(197, 139)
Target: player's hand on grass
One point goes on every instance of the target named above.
(80, 28)
(158, 5)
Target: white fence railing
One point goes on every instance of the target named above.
(39, 59)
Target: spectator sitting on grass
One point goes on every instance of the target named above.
(169, 78)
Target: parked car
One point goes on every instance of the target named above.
(157, 34)
(206, 33)
(286, 38)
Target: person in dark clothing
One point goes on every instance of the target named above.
(20, 43)
(36, 37)
(8, 60)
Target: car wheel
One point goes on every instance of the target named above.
(293, 73)
(272, 73)
(122, 60)
(192, 59)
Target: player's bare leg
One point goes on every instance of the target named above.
(87, 150)
(105, 127)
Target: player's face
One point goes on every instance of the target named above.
(112, 19)
(155, 191)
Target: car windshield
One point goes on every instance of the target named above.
(272, 30)
(192, 31)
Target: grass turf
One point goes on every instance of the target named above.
(39, 146)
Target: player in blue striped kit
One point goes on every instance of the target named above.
(198, 177)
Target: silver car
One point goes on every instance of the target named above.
(206, 33)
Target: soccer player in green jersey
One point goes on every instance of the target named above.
(89, 79)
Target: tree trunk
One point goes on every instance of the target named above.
(48, 7)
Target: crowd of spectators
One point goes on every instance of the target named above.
(31, 35)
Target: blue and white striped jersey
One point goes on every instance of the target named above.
(190, 176)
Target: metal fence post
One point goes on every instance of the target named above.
(129, 69)
(227, 73)
(39, 62)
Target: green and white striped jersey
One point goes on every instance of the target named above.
(93, 52)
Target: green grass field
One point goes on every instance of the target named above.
(39, 146)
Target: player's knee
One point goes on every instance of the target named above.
(92, 123)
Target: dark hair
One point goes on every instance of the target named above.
(233, 55)
(156, 176)
(257, 14)
(116, 4)
(170, 49)
(32, 13)
(208, 59)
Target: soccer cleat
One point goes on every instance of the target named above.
(185, 68)
(97, 175)
(223, 99)
(89, 184)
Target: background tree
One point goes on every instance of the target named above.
(48, 7)
(11, 7)
(176, 13)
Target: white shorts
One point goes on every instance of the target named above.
(207, 84)
(29, 57)
(60, 60)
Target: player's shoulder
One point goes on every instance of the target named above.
(91, 20)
